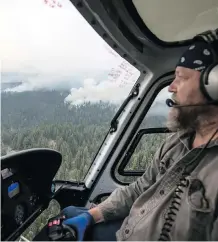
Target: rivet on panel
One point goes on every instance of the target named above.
(93, 22)
(79, 5)
(104, 36)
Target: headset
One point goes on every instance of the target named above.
(209, 77)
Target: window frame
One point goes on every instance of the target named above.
(116, 169)
(126, 158)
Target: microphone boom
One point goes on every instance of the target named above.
(170, 103)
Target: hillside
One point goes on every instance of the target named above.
(42, 119)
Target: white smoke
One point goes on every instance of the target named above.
(114, 89)
(36, 83)
(94, 92)
(110, 85)
(49, 81)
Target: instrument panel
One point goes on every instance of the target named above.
(26, 182)
(19, 200)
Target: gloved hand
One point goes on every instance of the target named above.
(80, 223)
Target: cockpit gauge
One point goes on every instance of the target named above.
(33, 199)
(13, 189)
(19, 214)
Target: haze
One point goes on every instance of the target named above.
(54, 47)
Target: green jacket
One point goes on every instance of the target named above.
(144, 204)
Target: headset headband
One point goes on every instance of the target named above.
(210, 37)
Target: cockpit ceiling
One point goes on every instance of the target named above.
(177, 20)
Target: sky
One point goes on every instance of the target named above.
(48, 44)
(40, 38)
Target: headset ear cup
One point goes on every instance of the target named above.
(209, 82)
(203, 82)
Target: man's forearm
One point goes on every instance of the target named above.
(96, 214)
(119, 203)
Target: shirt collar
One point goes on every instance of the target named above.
(187, 139)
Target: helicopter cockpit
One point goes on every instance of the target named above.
(83, 148)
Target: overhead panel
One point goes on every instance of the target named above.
(176, 20)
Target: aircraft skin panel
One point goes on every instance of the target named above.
(199, 14)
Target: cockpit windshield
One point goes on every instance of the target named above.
(61, 84)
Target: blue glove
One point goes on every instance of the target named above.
(80, 223)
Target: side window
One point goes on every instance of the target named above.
(151, 135)
(156, 117)
(145, 151)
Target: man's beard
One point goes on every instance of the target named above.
(188, 119)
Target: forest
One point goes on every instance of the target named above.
(39, 119)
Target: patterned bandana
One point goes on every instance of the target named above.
(197, 57)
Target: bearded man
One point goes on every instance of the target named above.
(177, 196)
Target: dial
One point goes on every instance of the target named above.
(33, 199)
(19, 214)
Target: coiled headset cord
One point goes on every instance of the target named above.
(176, 200)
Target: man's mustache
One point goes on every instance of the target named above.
(173, 97)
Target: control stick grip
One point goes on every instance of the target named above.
(58, 231)
(70, 234)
